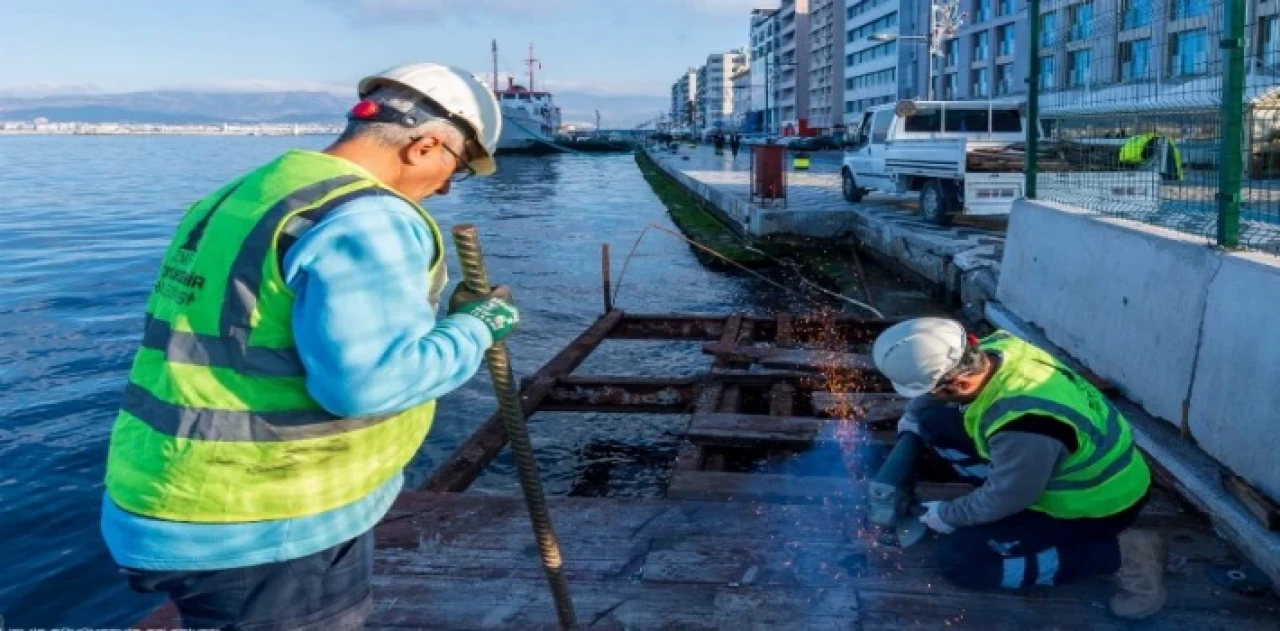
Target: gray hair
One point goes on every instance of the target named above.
(392, 134)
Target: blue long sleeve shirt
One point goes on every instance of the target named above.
(371, 343)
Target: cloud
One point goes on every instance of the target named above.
(266, 85)
(49, 88)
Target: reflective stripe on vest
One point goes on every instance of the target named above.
(216, 424)
(1105, 474)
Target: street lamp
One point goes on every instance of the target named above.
(768, 74)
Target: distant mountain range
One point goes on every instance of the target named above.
(190, 106)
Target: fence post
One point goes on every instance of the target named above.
(1231, 159)
(1033, 101)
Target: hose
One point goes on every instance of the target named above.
(476, 278)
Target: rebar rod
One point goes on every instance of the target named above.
(476, 278)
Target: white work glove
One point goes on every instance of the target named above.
(908, 423)
(933, 518)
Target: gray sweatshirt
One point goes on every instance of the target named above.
(1022, 464)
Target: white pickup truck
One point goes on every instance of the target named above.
(950, 152)
(922, 146)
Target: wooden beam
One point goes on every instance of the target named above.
(1261, 507)
(791, 432)
(690, 457)
(712, 486)
(469, 459)
(804, 328)
(634, 395)
(866, 407)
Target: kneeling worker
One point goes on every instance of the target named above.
(1061, 480)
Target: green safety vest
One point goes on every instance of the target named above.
(1106, 474)
(216, 424)
(1133, 148)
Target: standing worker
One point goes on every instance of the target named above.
(718, 141)
(1062, 481)
(291, 360)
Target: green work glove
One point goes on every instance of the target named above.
(497, 310)
(462, 295)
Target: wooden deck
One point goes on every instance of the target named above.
(745, 538)
(468, 562)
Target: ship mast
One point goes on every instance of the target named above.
(495, 65)
(532, 62)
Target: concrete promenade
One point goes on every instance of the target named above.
(961, 263)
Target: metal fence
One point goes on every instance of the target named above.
(1160, 111)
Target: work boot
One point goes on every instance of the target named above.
(1141, 576)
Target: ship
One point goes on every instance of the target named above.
(530, 118)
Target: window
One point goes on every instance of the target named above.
(1006, 121)
(1188, 53)
(1048, 72)
(1269, 40)
(1008, 40)
(966, 120)
(950, 86)
(1005, 7)
(1080, 18)
(1004, 79)
(981, 10)
(1048, 29)
(1134, 59)
(980, 40)
(1180, 9)
(979, 83)
(880, 128)
(1078, 63)
(1136, 13)
(952, 48)
(924, 120)
(886, 23)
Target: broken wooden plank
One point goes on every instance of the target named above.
(638, 395)
(1261, 507)
(794, 432)
(865, 407)
(711, 486)
(793, 358)
(784, 335)
(690, 456)
(782, 399)
(460, 470)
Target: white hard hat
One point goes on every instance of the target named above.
(462, 95)
(916, 354)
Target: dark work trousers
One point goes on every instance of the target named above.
(323, 591)
(1026, 548)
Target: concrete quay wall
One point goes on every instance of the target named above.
(1187, 331)
(959, 263)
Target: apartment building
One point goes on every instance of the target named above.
(764, 54)
(826, 65)
(684, 99)
(1091, 44)
(874, 54)
(715, 88)
(792, 68)
(742, 109)
(1087, 44)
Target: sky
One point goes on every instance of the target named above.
(614, 47)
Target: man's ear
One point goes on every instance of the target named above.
(418, 150)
